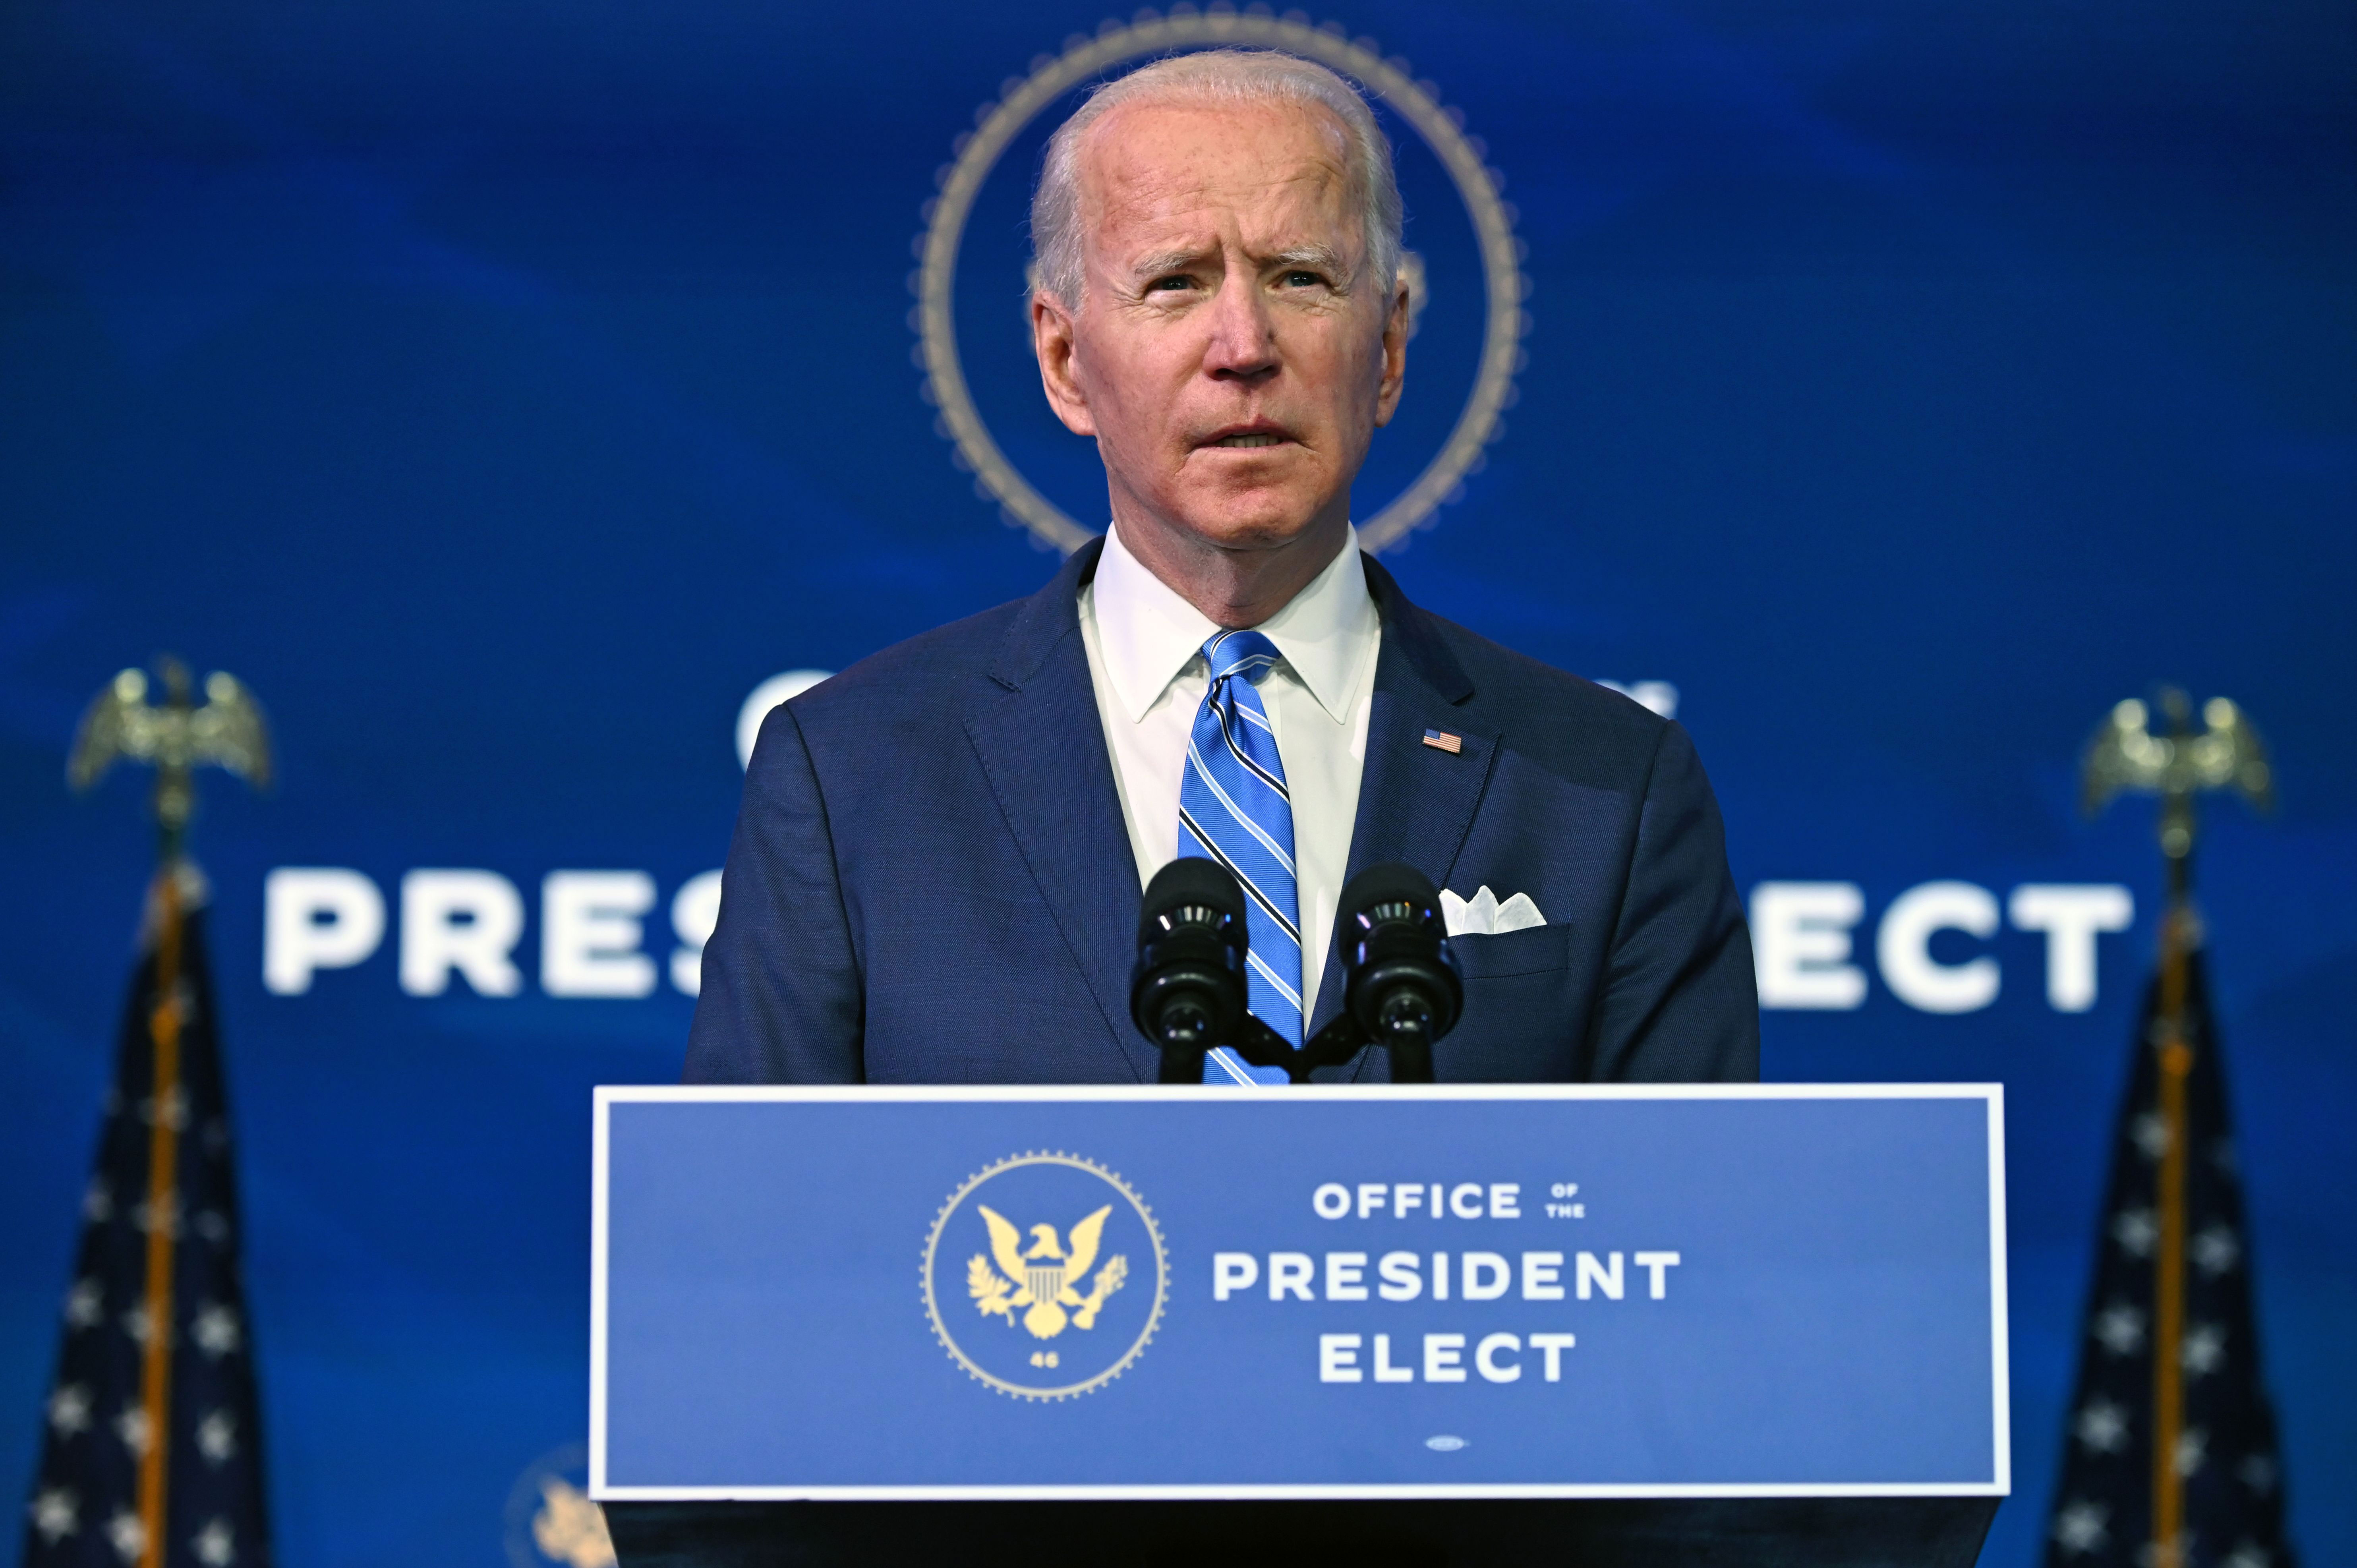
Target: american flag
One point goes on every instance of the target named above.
(152, 1452)
(2221, 1448)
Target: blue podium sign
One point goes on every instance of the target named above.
(1397, 1291)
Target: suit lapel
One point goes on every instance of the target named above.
(1415, 801)
(1034, 726)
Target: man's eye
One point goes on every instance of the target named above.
(1301, 279)
(1175, 281)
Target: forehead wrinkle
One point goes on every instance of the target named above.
(1155, 199)
(1261, 251)
(1150, 185)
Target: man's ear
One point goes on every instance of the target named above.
(1053, 340)
(1395, 366)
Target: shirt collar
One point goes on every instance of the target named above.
(1148, 635)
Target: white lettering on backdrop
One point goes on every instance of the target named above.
(468, 925)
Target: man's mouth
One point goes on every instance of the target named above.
(1248, 436)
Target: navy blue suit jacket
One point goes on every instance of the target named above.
(930, 881)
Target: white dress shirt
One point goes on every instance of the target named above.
(1146, 659)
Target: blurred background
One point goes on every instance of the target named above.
(505, 391)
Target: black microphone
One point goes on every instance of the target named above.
(1402, 983)
(1188, 993)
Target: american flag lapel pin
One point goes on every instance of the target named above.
(1441, 740)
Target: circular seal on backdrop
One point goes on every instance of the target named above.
(1045, 1275)
(550, 1521)
(1021, 100)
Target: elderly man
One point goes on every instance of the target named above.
(936, 869)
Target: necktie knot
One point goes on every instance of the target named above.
(1246, 653)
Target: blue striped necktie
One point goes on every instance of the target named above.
(1233, 808)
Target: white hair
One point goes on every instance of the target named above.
(1216, 76)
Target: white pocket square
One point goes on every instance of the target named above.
(1483, 916)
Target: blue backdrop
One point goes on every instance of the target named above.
(504, 390)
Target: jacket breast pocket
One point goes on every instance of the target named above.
(1533, 949)
(1520, 1021)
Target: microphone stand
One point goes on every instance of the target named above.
(1187, 995)
(1343, 1037)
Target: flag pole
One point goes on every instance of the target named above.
(2176, 1067)
(2127, 754)
(163, 1214)
(174, 803)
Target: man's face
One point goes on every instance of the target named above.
(1231, 355)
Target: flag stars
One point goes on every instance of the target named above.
(2135, 1232)
(70, 1410)
(126, 1535)
(215, 1545)
(85, 1305)
(2083, 1527)
(2101, 1426)
(111, 1432)
(2203, 1349)
(2216, 1251)
(216, 1332)
(138, 1324)
(2119, 1329)
(133, 1428)
(57, 1513)
(144, 1217)
(216, 1437)
(2171, 1402)
(174, 1109)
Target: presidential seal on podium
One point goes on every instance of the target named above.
(1045, 1275)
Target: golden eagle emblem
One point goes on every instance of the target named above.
(1045, 1276)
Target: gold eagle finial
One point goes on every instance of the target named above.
(176, 737)
(2129, 754)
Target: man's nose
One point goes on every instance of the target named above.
(1242, 345)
